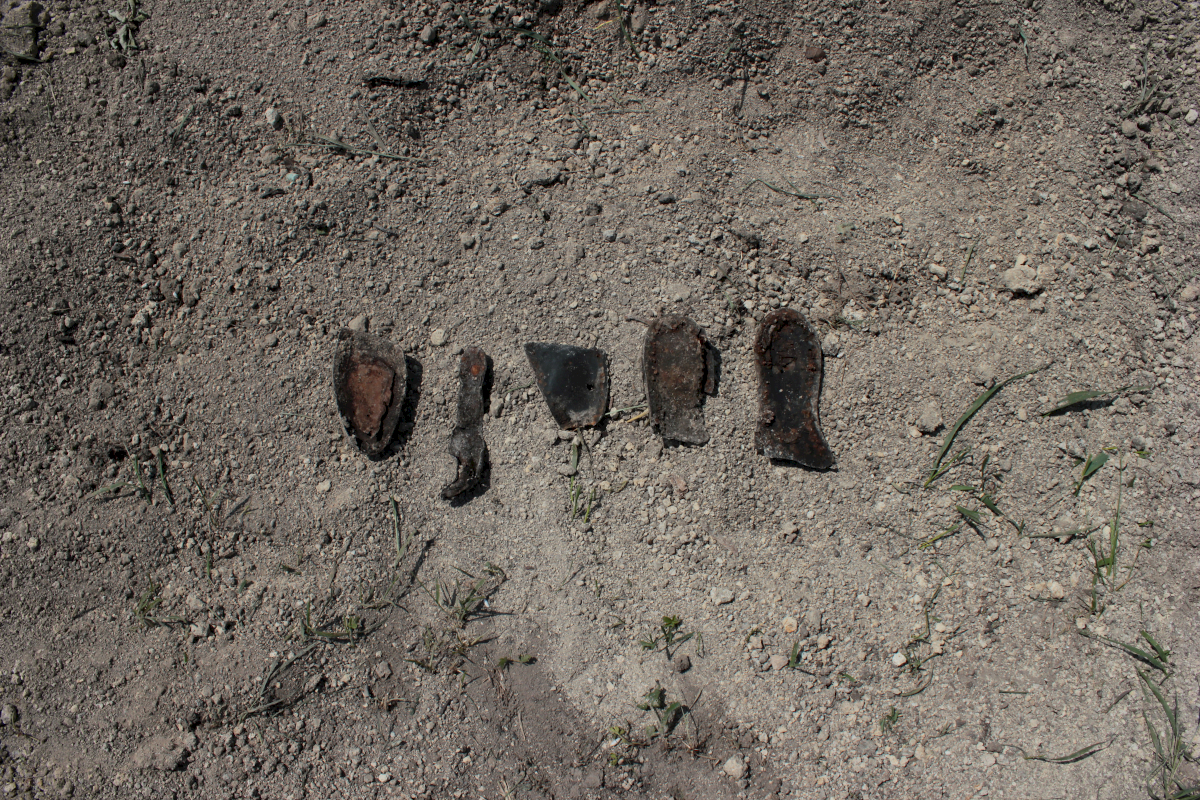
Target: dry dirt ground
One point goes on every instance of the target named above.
(210, 593)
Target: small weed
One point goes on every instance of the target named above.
(888, 721)
(174, 134)
(505, 662)
(668, 714)
(462, 601)
(794, 656)
(403, 542)
(1170, 750)
(546, 48)
(669, 635)
(148, 603)
(130, 19)
(139, 487)
(162, 479)
(350, 630)
(1091, 466)
(1106, 569)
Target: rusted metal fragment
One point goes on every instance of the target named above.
(573, 380)
(466, 443)
(369, 383)
(789, 361)
(675, 360)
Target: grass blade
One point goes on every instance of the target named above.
(944, 468)
(970, 513)
(1075, 398)
(162, 480)
(972, 409)
(1090, 467)
(1136, 652)
(1163, 654)
(953, 529)
(1070, 758)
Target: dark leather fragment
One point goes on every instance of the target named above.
(466, 442)
(369, 383)
(676, 364)
(788, 355)
(573, 380)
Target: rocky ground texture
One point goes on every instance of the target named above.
(209, 592)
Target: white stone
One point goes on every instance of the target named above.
(720, 595)
(1022, 279)
(735, 767)
(899, 659)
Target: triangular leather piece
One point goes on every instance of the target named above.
(466, 443)
(788, 356)
(675, 360)
(369, 382)
(573, 380)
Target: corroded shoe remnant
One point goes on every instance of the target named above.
(466, 443)
(789, 361)
(574, 381)
(369, 382)
(679, 372)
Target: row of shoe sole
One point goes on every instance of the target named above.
(680, 367)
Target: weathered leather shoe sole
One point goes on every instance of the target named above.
(573, 380)
(369, 383)
(676, 360)
(790, 364)
(466, 443)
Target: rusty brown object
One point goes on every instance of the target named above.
(679, 370)
(573, 381)
(466, 443)
(788, 355)
(369, 384)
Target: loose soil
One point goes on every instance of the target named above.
(211, 592)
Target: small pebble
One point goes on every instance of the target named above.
(323, 487)
(993, 544)
(779, 661)
(1191, 116)
(1056, 590)
(682, 663)
(734, 767)
(273, 118)
(438, 337)
(720, 596)
(899, 659)
(790, 625)
(823, 641)
(359, 323)
(930, 419)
